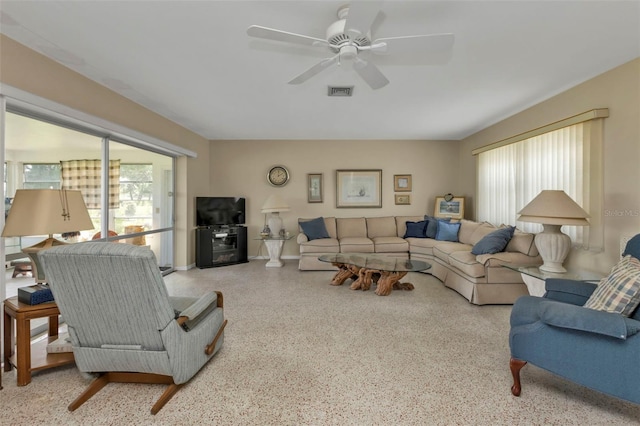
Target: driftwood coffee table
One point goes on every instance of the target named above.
(368, 268)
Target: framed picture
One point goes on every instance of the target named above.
(314, 188)
(358, 188)
(453, 208)
(403, 199)
(402, 183)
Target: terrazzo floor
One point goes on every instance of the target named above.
(298, 351)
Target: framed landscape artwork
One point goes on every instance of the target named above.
(314, 185)
(453, 208)
(358, 188)
(402, 183)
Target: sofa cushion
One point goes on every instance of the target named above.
(503, 257)
(351, 227)
(494, 242)
(314, 229)
(467, 228)
(381, 227)
(467, 263)
(401, 223)
(522, 242)
(447, 231)
(322, 245)
(390, 245)
(620, 291)
(443, 249)
(422, 245)
(356, 245)
(479, 233)
(416, 229)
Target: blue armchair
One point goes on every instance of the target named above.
(599, 350)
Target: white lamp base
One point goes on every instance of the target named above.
(554, 247)
(275, 224)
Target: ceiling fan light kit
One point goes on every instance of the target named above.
(349, 40)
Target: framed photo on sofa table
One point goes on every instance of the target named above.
(453, 208)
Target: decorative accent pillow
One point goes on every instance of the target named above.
(416, 229)
(432, 226)
(494, 242)
(633, 247)
(447, 231)
(620, 291)
(314, 229)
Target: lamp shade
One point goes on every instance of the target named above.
(46, 212)
(274, 204)
(554, 208)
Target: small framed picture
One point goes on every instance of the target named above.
(402, 183)
(454, 208)
(403, 199)
(314, 190)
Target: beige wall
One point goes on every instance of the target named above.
(618, 90)
(27, 70)
(239, 168)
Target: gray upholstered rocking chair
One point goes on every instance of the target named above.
(123, 325)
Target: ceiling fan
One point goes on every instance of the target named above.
(350, 40)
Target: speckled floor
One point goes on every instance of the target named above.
(298, 351)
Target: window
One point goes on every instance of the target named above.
(564, 158)
(136, 197)
(41, 176)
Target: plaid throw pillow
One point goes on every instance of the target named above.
(620, 291)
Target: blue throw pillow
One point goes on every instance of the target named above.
(494, 242)
(314, 229)
(416, 229)
(432, 226)
(633, 247)
(447, 231)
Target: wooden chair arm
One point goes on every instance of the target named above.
(212, 346)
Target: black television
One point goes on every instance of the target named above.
(220, 211)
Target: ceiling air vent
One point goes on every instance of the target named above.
(340, 91)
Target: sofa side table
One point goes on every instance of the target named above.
(274, 247)
(28, 357)
(534, 278)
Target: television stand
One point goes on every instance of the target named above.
(221, 246)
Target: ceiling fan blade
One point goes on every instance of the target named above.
(278, 35)
(431, 49)
(361, 17)
(370, 73)
(314, 70)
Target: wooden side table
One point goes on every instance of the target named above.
(28, 357)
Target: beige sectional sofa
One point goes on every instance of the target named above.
(481, 279)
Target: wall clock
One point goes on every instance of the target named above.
(278, 176)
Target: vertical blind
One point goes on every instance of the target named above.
(512, 175)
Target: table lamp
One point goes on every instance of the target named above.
(274, 205)
(45, 212)
(553, 209)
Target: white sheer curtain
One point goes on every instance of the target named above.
(510, 176)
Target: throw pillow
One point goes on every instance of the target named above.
(620, 291)
(447, 231)
(432, 226)
(416, 229)
(314, 229)
(633, 247)
(494, 242)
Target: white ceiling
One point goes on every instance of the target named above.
(192, 61)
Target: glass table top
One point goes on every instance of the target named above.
(376, 261)
(577, 275)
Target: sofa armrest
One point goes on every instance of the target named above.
(301, 238)
(568, 291)
(573, 317)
